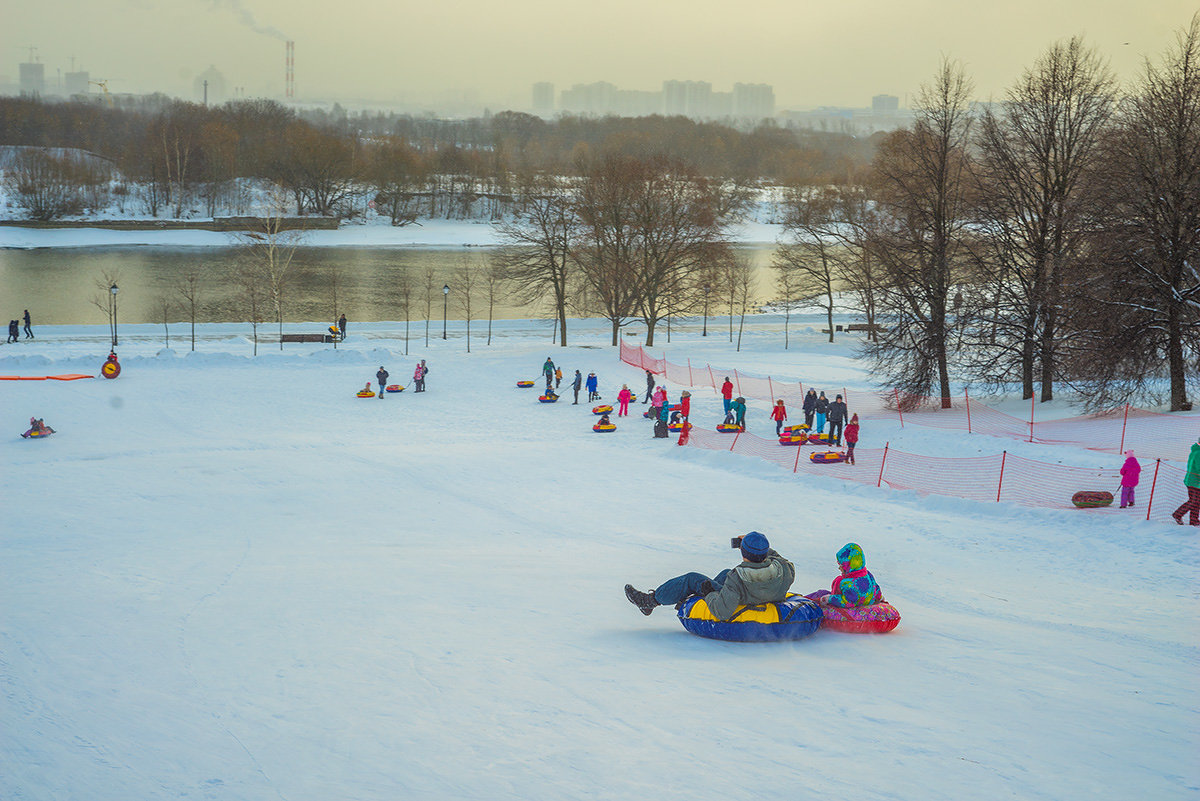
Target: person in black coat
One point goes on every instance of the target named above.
(14, 333)
(28, 330)
(837, 419)
(649, 386)
(809, 406)
(382, 377)
(575, 385)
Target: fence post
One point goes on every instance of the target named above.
(896, 392)
(771, 390)
(1032, 401)
(735, 439)
(1154, 481)
(1000, 485)
(968, 400)
(796, 466)
(882, 462)
(712, 382)
(737, 380)
(691, 383)
(1121, 449)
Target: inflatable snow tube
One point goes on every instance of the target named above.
(110, 369)
(548, 398)
(796, 431)
(602, 409)
(877, 618)
(821, 439)
(788, 439)
(524, 384)
(366, 393)
(677, 427)
(725, 428)
(1092, 499)
(827, 457)
(793, 618)
(37, 434)
(394, 388)
(599, 429)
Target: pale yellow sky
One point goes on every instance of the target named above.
(838, 52)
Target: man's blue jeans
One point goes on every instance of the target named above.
(672, 591)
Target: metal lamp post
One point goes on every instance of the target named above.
(112, 290)
(704, 332)
(445, 298)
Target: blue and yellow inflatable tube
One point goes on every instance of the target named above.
(793, 618)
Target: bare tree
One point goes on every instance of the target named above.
(493, 282)
(1144, 288)
(814, 257)
(43, 184)
(404, 288)
(607, 252)
(254, 297)
(535, 259)
(269, 250)
(105, 299)
(188, 289)
(165, 305)
(1037, 204)
(428, 289)
(466, 282)
(922, 181)
(742, 280)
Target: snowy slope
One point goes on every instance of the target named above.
(229, 578)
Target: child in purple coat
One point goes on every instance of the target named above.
(1130, 471)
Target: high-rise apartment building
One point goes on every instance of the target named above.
(543, 98)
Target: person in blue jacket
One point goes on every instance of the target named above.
(592, 385)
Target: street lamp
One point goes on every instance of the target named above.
(112, 290)
(704, 333)
(445, 297)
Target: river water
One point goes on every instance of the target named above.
(69, 286)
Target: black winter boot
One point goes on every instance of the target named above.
(642, 600)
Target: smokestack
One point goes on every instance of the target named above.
(290, 75)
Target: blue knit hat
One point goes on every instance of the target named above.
(755, 547)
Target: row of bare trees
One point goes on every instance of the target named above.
(1051, 238)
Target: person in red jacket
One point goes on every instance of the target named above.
(685, 405)
(623, 396)
(851, 437)
(778, 414)
(727, 393)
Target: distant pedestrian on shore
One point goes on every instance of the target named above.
(14, 333)
(28, 330)
(342, 325)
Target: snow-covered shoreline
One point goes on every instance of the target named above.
(423, 234)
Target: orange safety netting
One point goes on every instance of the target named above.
(1153, 435)
(1003, 478)
(67, 377)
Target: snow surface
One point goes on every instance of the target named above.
(227, 577)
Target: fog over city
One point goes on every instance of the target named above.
(439, 55)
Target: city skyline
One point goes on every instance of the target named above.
(476, 54)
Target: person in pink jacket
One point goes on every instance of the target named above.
(1130, 472)
(658, 399)
(623, 397)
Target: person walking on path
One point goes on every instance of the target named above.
(593, 385)
(763, 577)
(1130, 472)
(382, 377)
(837, 418)
(623, 397)
(809, 407)
(778, 414)
(419, 377)
(342, 326)
(575, 385)
(548, 372)
(28, 330)
(649, 386)
(851, 438)
(557, 377)
(14, 333)
(1191, 480)
(821, 408)
(727, 393)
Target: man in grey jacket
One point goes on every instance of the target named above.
(763, 577)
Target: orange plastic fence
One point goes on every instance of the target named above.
(1003, 478)
(1152, 435)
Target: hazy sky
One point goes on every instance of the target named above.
(838, 52)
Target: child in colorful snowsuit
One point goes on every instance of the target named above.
(855, 586)
(1130, 472)
(851, 437)
(623, 397)
(778, 414)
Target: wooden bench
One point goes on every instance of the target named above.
(306, 338)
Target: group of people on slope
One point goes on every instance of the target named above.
(382, 375)
(14, 329)
(850, 433)
(763, 576)
(819, 410)
(553, 376)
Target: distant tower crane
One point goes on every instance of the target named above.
(104, 85)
